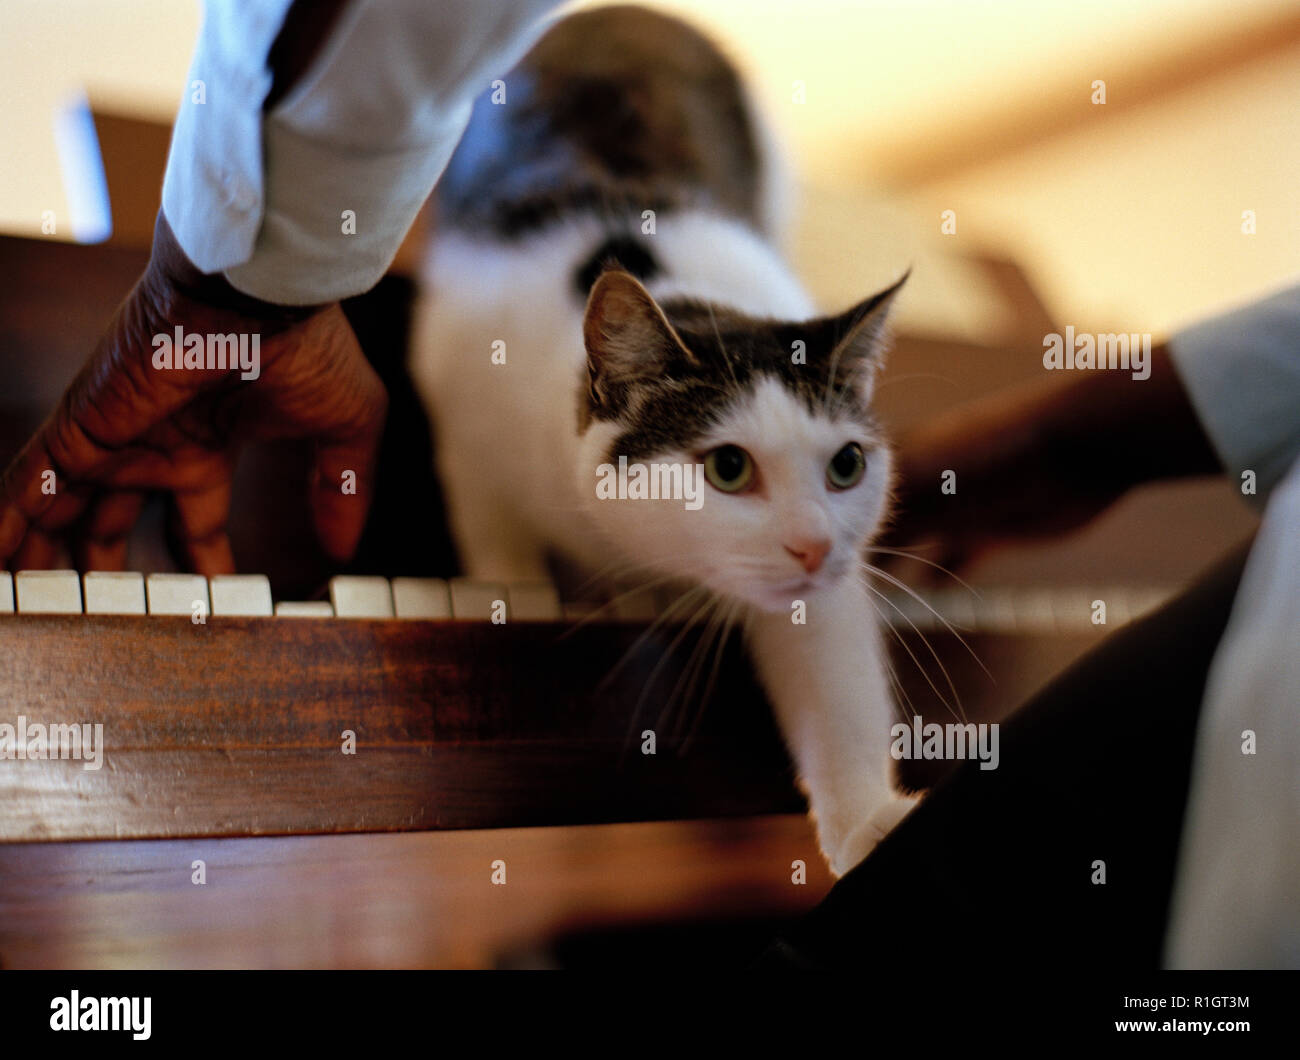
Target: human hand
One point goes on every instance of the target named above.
(1040, 461)
(126, 427)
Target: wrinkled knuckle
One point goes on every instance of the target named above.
(65, 442)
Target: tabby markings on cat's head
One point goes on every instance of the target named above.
(796, 463)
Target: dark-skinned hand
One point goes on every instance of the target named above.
(125, 429)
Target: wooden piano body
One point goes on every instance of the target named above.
(476, 749)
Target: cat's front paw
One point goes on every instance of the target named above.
(862, 840)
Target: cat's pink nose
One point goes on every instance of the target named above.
(810, 552)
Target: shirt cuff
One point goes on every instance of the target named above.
(333, 221)
(1242, 373)
(212, 189)
(310, 202)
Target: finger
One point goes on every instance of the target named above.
(118, 395)
(13, 525)
(66, 507)
(210, 556)
(342, 488)
(113, 399)
(104, 534)
(199, 528)
(102, 555)
(38, 551)
(177, 468)
(343, 477)
(25, 494)
(35, 500)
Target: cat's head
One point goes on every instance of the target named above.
(770, 420)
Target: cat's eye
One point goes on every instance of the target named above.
(728, 468)
(846, 467)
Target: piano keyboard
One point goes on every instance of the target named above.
(1023, 611)
(233, 727)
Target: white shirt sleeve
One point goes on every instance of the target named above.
(1242, 372)
(367, 129)
(1236, 899)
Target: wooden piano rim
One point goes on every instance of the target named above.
(234, 727)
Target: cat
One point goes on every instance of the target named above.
(604, 283)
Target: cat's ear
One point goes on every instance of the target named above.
(858, 335)
(626, 334)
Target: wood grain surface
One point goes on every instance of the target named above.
(394, 900)
(237, 727)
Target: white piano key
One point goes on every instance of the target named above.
(1118, 612)
(50, 592)
(959, 607)
(998, 613)
(6, 593)
(113, 592)
(176, 594)
(241, 594)
(1064, 610)
(358, 596)
(421, 598)
(304, 609)
(903, 611)
(532, 602)
(1073, 610)
(475, 600)
(1034, 612)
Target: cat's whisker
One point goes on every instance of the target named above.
(847, 388)
(663, 659)
(728, 619)
(903, 699)
(830, 378)
(608, 573)
(618, 569)
(901, 696)
(615, 568)
(897, 583)
(718, 648)
(666, 707)
(928, 562)
(660, 620)
(690, 673)
(726, 359)
(958, 713)
(606, 606)
(604, 611)
(680, 603)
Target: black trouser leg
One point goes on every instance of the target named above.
(995, 868)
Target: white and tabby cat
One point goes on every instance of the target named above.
(676, 341)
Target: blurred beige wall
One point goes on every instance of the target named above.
(129, 56)
(1135, 222)
(1130, 219)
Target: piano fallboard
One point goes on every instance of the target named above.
(238, 726)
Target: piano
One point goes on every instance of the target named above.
(417, 703)
(343, 773)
